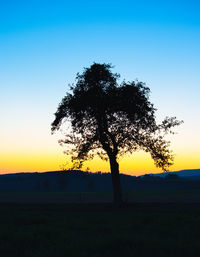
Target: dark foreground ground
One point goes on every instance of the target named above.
(167, 195)
(138, 229)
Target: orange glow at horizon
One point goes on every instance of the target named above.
(137, 164)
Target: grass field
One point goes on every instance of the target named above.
(157, 230)
(138, 195)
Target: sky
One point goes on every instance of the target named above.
(43, 44)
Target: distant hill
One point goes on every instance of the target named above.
(79, 181)
(191, 174)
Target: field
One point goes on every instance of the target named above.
(190, 195)
(77, 230)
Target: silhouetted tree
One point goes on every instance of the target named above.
(111, 119)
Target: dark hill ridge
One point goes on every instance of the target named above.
(191, 173)
(79, 181)
(188, 173)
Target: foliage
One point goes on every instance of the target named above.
(111, 119)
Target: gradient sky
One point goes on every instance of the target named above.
(43, 44)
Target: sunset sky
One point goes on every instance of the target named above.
(43, 44)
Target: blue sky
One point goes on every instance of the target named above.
(43, 44)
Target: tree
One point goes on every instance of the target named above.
(111, 119)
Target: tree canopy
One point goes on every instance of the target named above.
(111, 119)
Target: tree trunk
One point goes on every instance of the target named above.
(117, 193)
